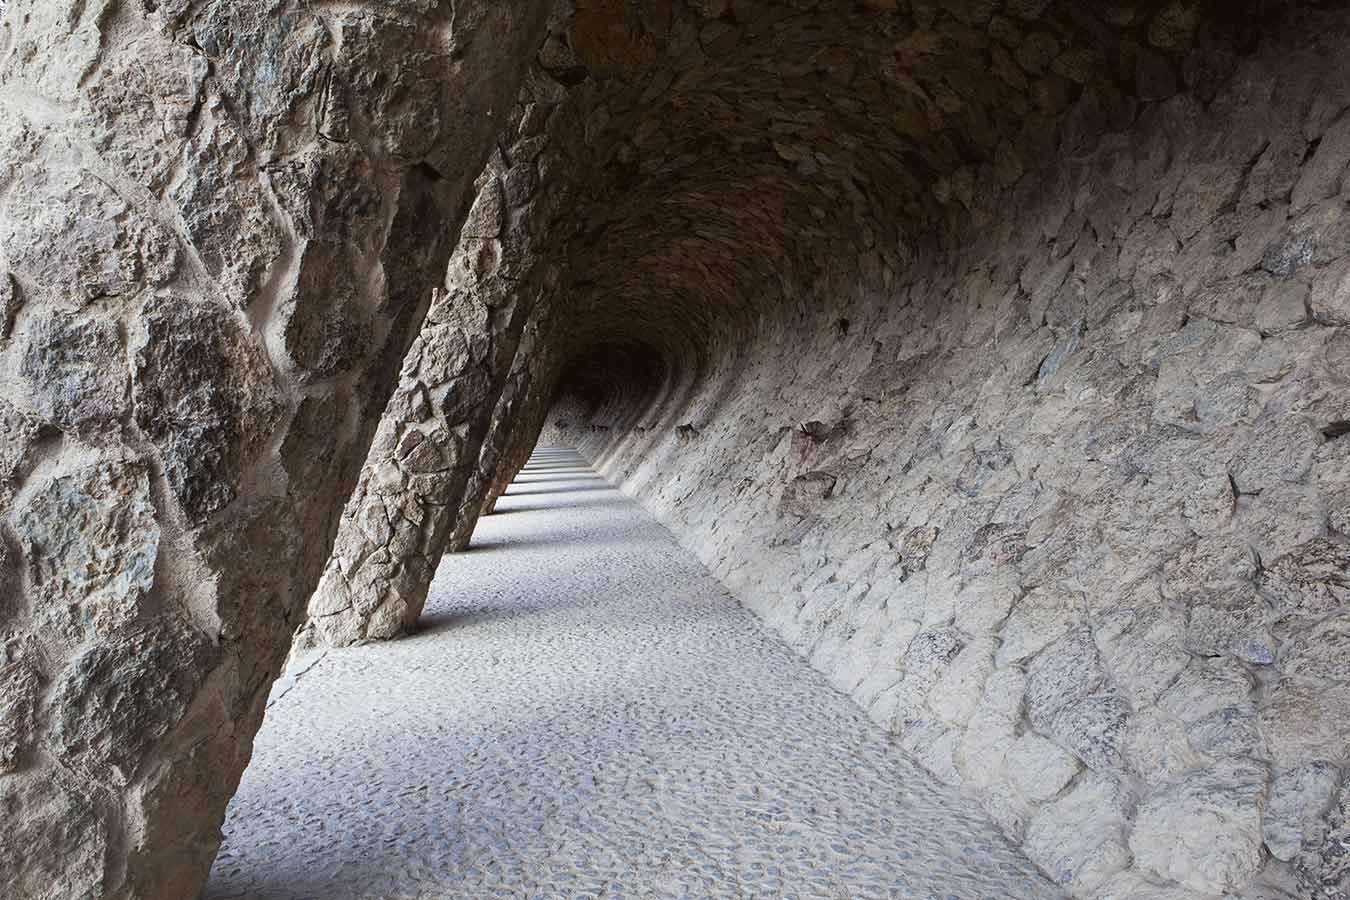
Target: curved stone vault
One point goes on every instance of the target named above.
(995, 352)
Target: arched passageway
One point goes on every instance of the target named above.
(586, 712)
(993, 352)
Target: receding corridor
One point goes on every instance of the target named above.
(585, 712)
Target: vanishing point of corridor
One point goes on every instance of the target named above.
(585, 712)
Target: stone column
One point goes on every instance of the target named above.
(524, 437)
(396, 525)
(218, 233)
(505, 420)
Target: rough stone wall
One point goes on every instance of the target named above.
(1064, 503)
(220, 225)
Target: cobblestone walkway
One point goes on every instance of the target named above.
(587, 713)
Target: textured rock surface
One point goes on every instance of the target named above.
(1012, 396)
(995, 352)
(219, 231)
(590, 713)
(416, 478)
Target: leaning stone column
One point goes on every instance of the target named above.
(521, 443)
(218, 234)
(505, 419)
(396, 524)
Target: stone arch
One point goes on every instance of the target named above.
(1062, 504)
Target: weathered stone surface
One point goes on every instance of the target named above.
(72, 238)
(1038, 768)
(1133, 886)
(1040, 618)
(1073, 279)
(1303, 721)
(1066, 672)
(1157, 748)
(1080, 838)
(90, 539)
(1107, 393)
(65, 823)
(1144, 648)
(10, 301)
(1299, 801)
(21, 684)
(204, 397)
(1204, 830)
(117, 698)
(1093, 728)
(1324, 866)
(174, 178)
(991, 731)
(17, 434)
(74, 373)
(1310, 582)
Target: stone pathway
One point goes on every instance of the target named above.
(587, 713)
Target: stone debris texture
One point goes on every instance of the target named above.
(996, 353)
(586, 712)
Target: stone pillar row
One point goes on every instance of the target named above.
(430, 442)
(520, 443)
(219, 233)
(506, 433)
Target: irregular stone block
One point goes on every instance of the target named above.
(1039, 768)
(1320, 177)
(66, 826)
(933, 744)
(1310, 581)
(1322, 653)
(1231, 731)
(1316, 237)
(1066, 671)
(1234, 624)
(1038, 620)
(121, 695)
(21, 685)
(76, 372)
(227, 217)
(204, 396)
(1143, 647)
(957, 692)
(1093, 728)
(928, 655)
(91, 540)
(992, 728)
(10, 301)
(1080, 838)
(1204, 829)
(1324, 866)
(1299, 800)
(984, 602)
(803, 494)
(1157, 748)
(1205, 687)
(1304, 721)
(17, 433)
(73, 239)
(328, 333)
